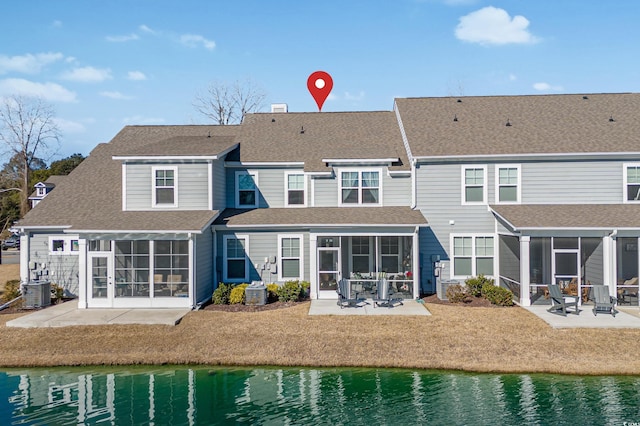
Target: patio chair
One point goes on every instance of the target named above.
(603, 301)
(560, 302)
(383, 296)
(345, 298)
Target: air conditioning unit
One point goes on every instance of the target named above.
(37, 294)
(255, 294)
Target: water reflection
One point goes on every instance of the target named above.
(198, 395)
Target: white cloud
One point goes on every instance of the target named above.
(139, 119)
(28, 64)
(193, 40)
(115, 95)
(68, 126)
(491, 25)
(56, 24)
(146, 29)
(122, 38)
(88, 75)
(49, 91)
(546, 87)
(512, 77)
(136, 75)
(351, 97)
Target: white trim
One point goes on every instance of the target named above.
(328, 225)
(518, 183)
(138, 231)
(247, 260)
(474, 257)
(67, 245)
(238, 164)
(359, 170)
(288, 173)
(300, 258)
(124, 187)
(528, 157)
(164, 157)
(154, 203)
(370, 161)
(463, 184)
(625, 166)
(253, 173)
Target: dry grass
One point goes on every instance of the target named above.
(455, 338)
(8, 272)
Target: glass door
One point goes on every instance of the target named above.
(566, 264)
(328, 267)
(100, 291)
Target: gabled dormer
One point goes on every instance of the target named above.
(41, 189)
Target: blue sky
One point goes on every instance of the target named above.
(105, 64)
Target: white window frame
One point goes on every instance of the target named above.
(625, 182)
(154, 202)
(41, 191)
(286, 188)
(281, 257)
(518, 184)
(225, 259)
(237, 189)
(360, 187)
(474, 256)
(371, 243)
(67, 245)
(463, 185)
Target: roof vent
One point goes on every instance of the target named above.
(508, 123)
(302, 130)
(279, 108)
(459, 100)
(611, 120)
(273, 120)
(455, 117)
(585, 97)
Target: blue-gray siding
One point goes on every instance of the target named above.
(203, 266)
(60, 269)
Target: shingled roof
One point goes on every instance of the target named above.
(91, 197)
(311, 137)
(538, 124)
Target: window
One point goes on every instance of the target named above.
(132, 268)
(390, 252)
(632, 183)
(360, 254)
(236, 264)
(63, 245)
(290, 248)
(360, 187)
(508, 184)
(474, 189)
(99, 245)
(171, 268)
(164, 187)
(246, 190)
(295, 190)
(472, 256)
(40, 191)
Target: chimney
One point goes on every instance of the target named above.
(279, 108)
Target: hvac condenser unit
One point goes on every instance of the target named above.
(255, 294)
(37, 294)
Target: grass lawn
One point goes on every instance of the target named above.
(453, 337)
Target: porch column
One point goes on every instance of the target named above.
(313, 266)
(83, 284)
(525, 284)
(416, 265)
(25, 256)
(608, 263)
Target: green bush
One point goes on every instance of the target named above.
(237, 295)
(272, 292)
(57, 292)
(11, 291)
(475, 285)
(221, 294)
(457, 293)
(292, 291)
(497, 295)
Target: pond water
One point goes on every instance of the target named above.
(201, 395)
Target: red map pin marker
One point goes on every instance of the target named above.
(320, 84)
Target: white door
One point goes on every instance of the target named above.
(100, 279)
(328, 272)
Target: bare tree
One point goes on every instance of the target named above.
(27, 131)
(226, 103)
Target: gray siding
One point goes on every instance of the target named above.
(219, 185)
(192, 186)
(203, 266)
(60, 269)
(396, 191)
(325, 192)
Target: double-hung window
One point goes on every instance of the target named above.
(246, 190)
(361, 254)
(632, 183)
(473, 255)
(236, 265)
(290, 249)
(360, 187)
(295, 189)
(164, 186)
(474, 184)
(507, 184)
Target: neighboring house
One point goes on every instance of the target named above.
(41, 189)
(529, 190)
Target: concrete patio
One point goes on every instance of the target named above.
(330, 307)
(67, 314)
(627, 317)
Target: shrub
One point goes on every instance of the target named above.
(221, 294)
(456, 293)
(475, 284)
(11, 291)
(497, 295)
(290, 291)
(57, 291)
(272, 292)
(237, 294)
